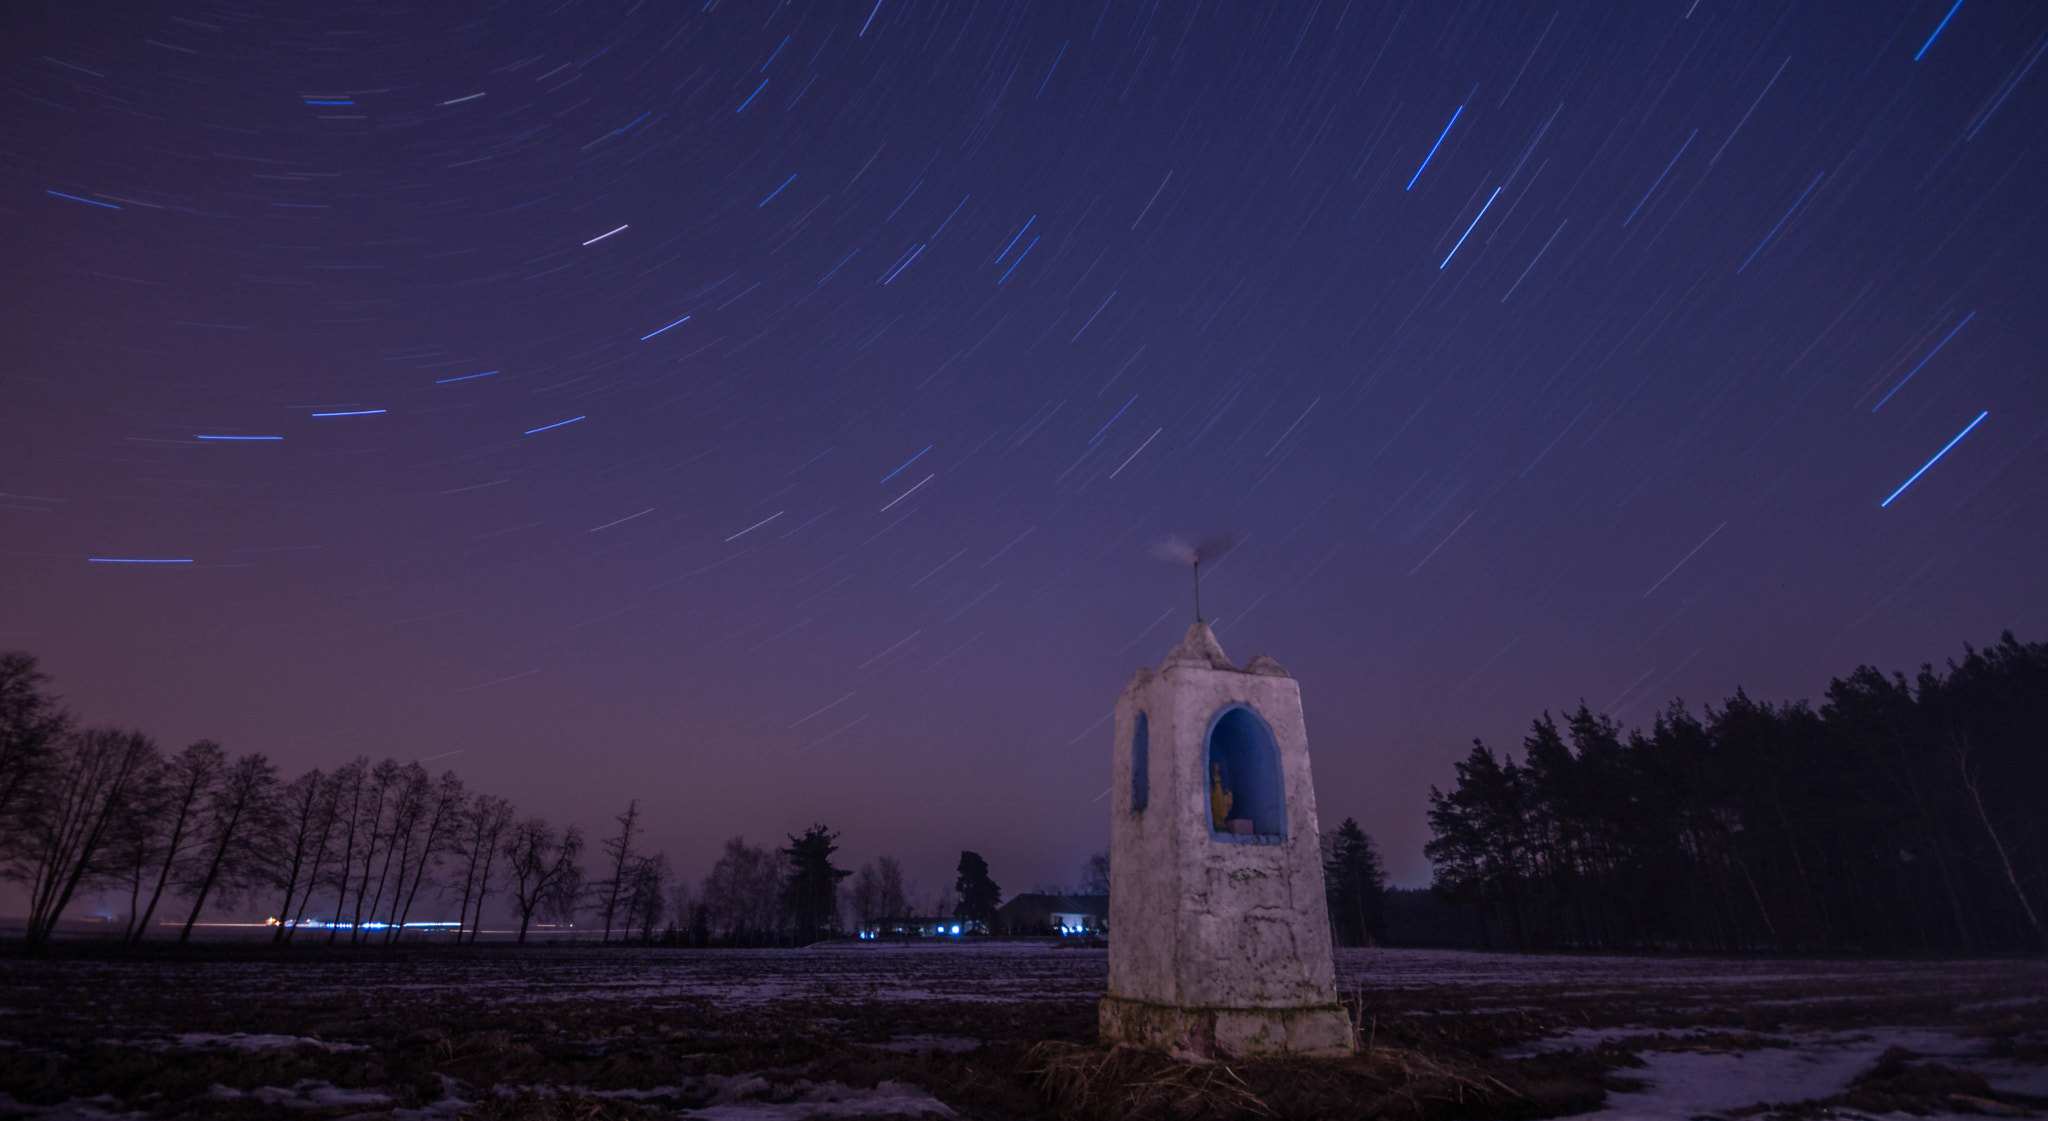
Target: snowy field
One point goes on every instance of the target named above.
(867, 1030)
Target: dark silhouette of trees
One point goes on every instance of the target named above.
(618, 851)
(810, 894)
(543, 865)
(1356, 883)
(163, 835)
(633, 895)
(233, 819)
(306, 834)
(877, 892)
(979, 895)
(483, 825)
(646, 899)
(32, 726)
(374, 789)
(434, 834)
(350, 782)
(1901, 816)
(1095, 874)
(68, 812)
(742, 897)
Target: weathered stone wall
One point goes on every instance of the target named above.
(1213, 939)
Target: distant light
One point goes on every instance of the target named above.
(466, 377)
(138, 560)
(358, 412)
(238, 437)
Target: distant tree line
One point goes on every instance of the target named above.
(1901, 817)
(359, 848)
(358, 852)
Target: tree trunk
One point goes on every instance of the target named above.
(205, 888)
(171, 852)
(312, 885)
(213, 867)
(483, 892)
(1962, 750)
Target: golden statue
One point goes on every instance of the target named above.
(1220, 800)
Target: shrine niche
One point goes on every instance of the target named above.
(1247, 800)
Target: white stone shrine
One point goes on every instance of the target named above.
(1219, 932)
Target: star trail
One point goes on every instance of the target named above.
(582, 334)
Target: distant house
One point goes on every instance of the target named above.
(1037, 913)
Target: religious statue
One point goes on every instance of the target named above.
(1220, 800)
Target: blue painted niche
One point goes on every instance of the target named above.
(1141, 765)
(1241, 749)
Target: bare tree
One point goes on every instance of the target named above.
(1095, 874)
(864, 897)
(878, 892)
(136, 843)
(350, 788)
(437, 828)
(235, 814)
(483, 827)
(890, 898)
(647, 900)
(619, 856)
(544, 869)
(68, 816)
(409, 794)
(743, 892)
(291, 853)
(567, 891)
(682, 910)
(187, 779)
(32, 727)
(325, 825)
(1959, 744)
(370, 808)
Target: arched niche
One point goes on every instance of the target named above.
(1141, 764)
(1241, 768)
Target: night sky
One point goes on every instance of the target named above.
(771, 411)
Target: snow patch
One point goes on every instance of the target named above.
(1688, 1084)
(829, 1099)
(306, 1093)
(105, 1107)
(751, 1097)
(243, 1041)
(450, 1105)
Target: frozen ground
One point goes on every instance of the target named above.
(868, 1031)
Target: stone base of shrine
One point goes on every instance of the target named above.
(1209, 1034)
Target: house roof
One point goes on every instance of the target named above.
(1042, 904)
